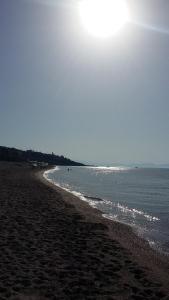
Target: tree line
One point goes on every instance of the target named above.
(13, 154)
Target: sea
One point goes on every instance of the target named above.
(138, 197)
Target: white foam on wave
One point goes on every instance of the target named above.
(78, 194)
(121, 212)
(158, 247)
(133, 212)
(111, 217)
(65, 186)
(109, 205)
(151, 243)
(136, 212)
(125, 210)
(56, 168)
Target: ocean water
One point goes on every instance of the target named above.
(138, 197)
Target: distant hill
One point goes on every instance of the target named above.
(12, 154)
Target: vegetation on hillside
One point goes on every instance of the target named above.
(12, 154)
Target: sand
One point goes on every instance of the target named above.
(54, 246)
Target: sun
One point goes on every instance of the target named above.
(103, 18)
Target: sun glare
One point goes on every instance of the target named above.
(103, 18)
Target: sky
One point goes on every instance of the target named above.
(92, 100)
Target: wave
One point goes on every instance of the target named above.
(141, 219)
(105, 204)
(51, 171)
(134, 212)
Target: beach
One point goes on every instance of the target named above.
(54, 246)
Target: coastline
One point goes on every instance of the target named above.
(85, 198)
(55, 246)
(140, 248)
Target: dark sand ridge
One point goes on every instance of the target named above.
(54, 246)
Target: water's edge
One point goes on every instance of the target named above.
(91, 203)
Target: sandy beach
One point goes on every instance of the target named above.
(54, 246)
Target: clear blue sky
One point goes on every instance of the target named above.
(64, 91)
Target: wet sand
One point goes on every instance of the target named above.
(54, 246)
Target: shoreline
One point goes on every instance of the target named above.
(84, 198)
(54, 246)
(137, 245)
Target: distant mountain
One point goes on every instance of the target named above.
(12, 154)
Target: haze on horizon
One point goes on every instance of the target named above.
(64, 91)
